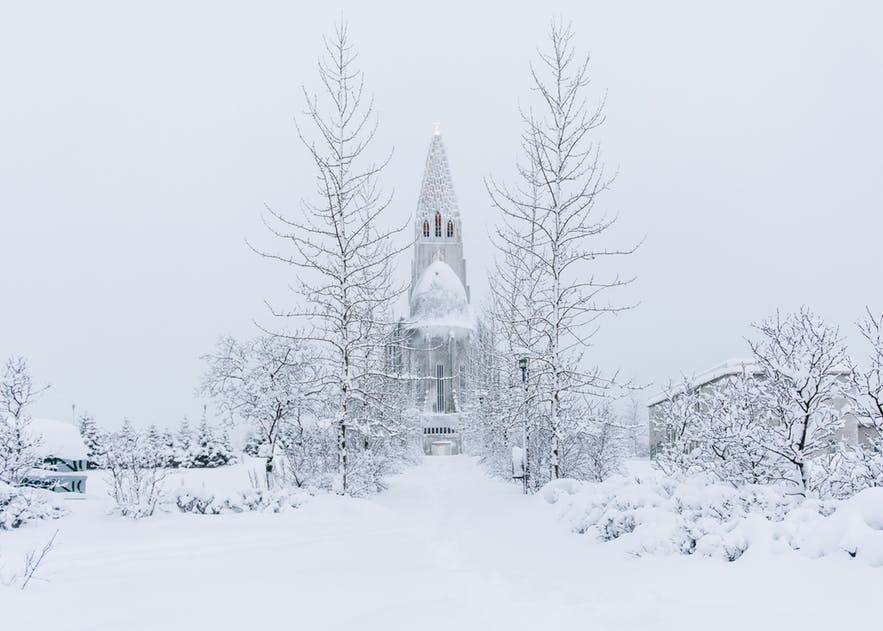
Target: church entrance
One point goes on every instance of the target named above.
(442, 448)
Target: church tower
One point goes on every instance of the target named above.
(438, 229)
(441, 325)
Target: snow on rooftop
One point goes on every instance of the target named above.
(58, 439)
(731, 367)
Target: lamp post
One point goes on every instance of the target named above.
(525, 432)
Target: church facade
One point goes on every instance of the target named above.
(436, 338)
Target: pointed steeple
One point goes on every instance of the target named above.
(438, 229)
(437, 190)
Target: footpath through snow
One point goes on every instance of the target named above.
(446, 547)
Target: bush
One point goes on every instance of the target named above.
(136, 474)
(698, 516)
(20, 506)
(202, 502)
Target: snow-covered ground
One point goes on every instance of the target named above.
(446, 547)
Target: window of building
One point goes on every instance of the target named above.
(426, 228)
(438, 224)
(450, 228)
(440, 388)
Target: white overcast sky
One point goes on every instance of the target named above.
(138, 144)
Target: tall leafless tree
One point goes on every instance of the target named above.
(342, 254)
(551, 242)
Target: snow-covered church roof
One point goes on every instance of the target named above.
(437, 189)
(439, 299)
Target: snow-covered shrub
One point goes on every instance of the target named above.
(853, 530)
(136, 473)
(846, 471)
(697, 515)
(202, 502)
(19, 506)
(306, 455)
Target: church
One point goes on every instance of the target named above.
(436, 338)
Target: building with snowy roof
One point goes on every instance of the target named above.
(436, 338)
(853, 431)
(62, 456)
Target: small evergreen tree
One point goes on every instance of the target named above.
(184, 451)
(224, 450)
(170, 450)
(156, 444)
(204, 447)
(209, 449)
(251, 445)
(95, 442)
(128, 436)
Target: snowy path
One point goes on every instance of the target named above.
(445, 548)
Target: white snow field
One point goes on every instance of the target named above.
(446, 547)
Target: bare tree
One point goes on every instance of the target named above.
(342, 255)
(678, 421)
(500, 413)
(136, 473)
(603, 446)
(804, 366)
(734, 425)
(265, 383)
(855, 467)
(17, 390)
(17, 443)
(868, 381)
(635, 428)
(34, 559)
(550, 243)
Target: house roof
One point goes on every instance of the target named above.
(58, 439)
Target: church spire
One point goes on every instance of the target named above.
(437, 190)
(439, 231)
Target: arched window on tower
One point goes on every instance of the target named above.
(438, 224)
(426, 228)
(450, 228)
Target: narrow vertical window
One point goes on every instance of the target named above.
(438, 224)
(426, 228)
(440, 388)
(450, 228)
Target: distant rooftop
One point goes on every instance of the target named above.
(729, 368)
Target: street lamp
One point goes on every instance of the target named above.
(522, 365)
